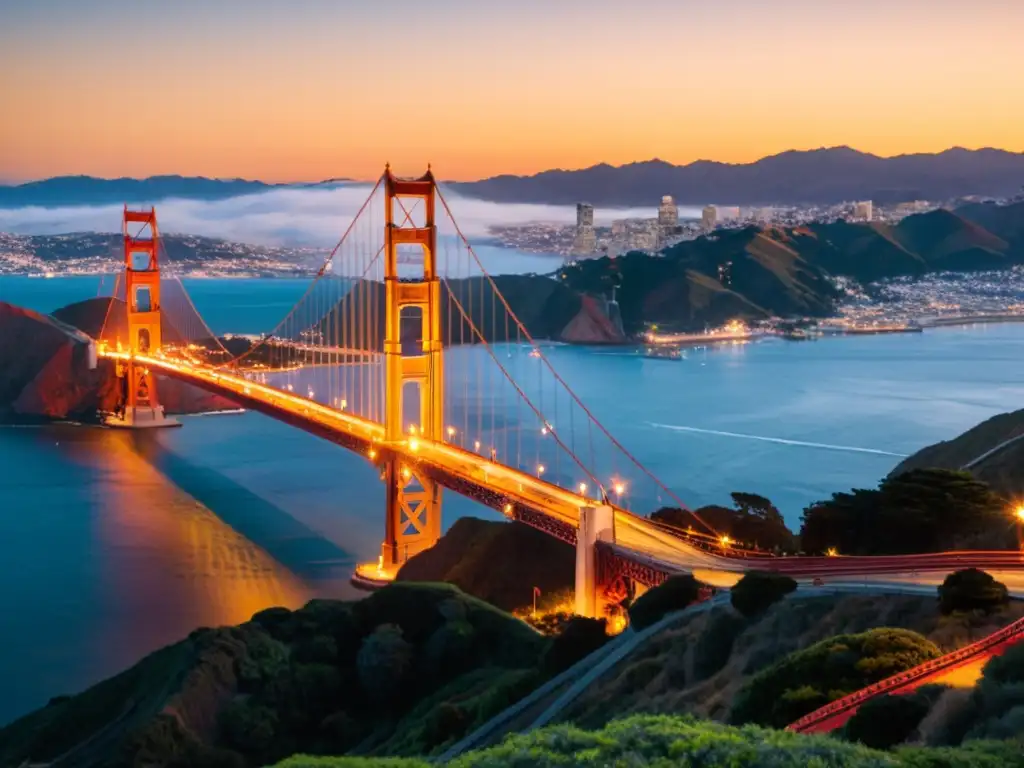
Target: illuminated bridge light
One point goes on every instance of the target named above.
(583, 488)
(540, 469)
(1019, 513)
(619, 489)
(508, 509)
(476, 445)
(451, 432)
(373, 453)
(414, 445)
(406, 473)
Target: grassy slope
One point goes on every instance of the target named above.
(497, 562)
(1002, 471)
(680, 741)
(699, 666)
(289, 678)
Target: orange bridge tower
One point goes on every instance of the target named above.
(140, 406)
(413, 500)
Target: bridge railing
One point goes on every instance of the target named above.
(903, 679)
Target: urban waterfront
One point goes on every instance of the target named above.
(126, 542)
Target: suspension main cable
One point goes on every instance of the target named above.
(522, 394)
(561, 381)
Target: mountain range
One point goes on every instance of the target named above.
(89, 190)
(816, 176)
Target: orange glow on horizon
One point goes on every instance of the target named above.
(304, 95)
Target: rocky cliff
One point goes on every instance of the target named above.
(45, 371)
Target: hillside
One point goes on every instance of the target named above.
(817, 176)
(400, 672)
(89, 190)
(748, 273)
(699, 665)
(46, 374)
(1003, 470)
(498, 562)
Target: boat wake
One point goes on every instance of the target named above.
(779, 440)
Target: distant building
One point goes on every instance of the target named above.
(709, 217)
(585, 241)
(726, 213)
(863, 211)
(668, 213)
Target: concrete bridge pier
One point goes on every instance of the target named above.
(596, 524)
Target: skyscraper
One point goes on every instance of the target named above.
(709, 217)
(585, 241)
(668, 213)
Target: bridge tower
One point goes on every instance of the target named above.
(413, 520)
(140, 407)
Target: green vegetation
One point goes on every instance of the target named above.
(404, 671)
(885, 721)
(972, 590)
(665, 741)
(674, 594)
(579, 638)
(757, 590)
(828, 670)
(923, 510)
(497, 562)
(754, 523)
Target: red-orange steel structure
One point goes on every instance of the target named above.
(142, 307)
(413, 513)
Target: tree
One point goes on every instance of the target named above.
(755, 522)
(580, 637)
(758, 590)
(674, 594)
(887, 720)
(923, 510)
(828, 670)
(382, 664)
(970, 590)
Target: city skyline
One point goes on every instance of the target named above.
(301, 92)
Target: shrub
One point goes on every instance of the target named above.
(803, 681)
(758, 590)
(382, 664)
(886, 721)
(970, 590)
(580, 638)
(714, 646)
(673, 594)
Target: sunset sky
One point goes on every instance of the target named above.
(311, 89)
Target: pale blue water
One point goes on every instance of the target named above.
(113, 544)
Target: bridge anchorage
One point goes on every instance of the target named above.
(138, 406)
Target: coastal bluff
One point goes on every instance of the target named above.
(46, 373)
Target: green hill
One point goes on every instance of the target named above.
(1002, 469)
(404, 671)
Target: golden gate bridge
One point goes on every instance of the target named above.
(404, 350)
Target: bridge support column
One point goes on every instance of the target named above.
(413, 511)
(596, 524)
(138, 405)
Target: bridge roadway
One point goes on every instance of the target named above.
(554, 509)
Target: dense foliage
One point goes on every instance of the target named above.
(579, 638)
(674, 594)
(971, 590)
(923, 510)
(664, 741)
(754, 522)
(826, 671)
(888, 720)
(404, 671)
(758, 590)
